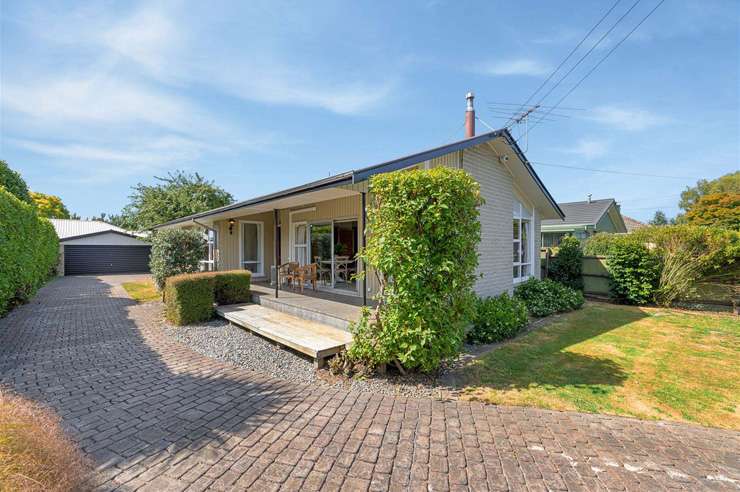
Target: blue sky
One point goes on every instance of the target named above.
(260, 96)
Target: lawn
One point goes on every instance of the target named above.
(142, 291)
(648, 363)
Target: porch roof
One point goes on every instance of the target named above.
(317, 190)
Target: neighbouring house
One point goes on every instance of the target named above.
(323, 221)
(583, 219)
(89, 247)
(632, 224)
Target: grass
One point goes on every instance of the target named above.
(35, 454)
(648, 363)
(142, 291)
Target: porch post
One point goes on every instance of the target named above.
(364, 277)
(276, 253)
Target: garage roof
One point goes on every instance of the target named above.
(68, 228)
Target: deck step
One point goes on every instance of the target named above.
(314, 339)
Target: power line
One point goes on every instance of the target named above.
(547, 80)
(604, 57)
(490, 103)
(609, 171)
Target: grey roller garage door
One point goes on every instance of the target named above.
(89, 259)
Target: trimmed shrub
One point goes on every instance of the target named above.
(546, 297)
(29, 251)
(189, 298)
(232, 287)
(566, 266)
(497, 318)
(424, 232)
(635, 272)
(175, 251)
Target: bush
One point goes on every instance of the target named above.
(566, 266)
(546, 297)
(175, 251)
(35, 454)
(14, 183)
(232, 287)
(29, 251)
(497, 318)
(603, 243)
(423, 248)
(634, 271)
(189, 298)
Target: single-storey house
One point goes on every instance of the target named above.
(323, 221)
(583, 219)
(89, 247)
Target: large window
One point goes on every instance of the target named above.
(252, 247)
(523, 245)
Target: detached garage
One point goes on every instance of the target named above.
(93, 247)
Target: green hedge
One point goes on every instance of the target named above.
(546, 297)
(497, 318)
(29, 251)
(635, 273)
(232, 286)
(189, 298)
(175, 251)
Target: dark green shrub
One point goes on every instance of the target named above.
(29, 251)
(497, 318)
(635, 272)
(175, 251)
(232, 287)
(566, 266)
(14, 183)
(546, 297)
(423, 248)
(189, 298)
(602, 243)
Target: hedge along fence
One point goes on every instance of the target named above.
(189, 297)
(29, 250)
(423, 233)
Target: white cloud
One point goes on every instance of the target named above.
(631, 119)
(521, 66)
(587, 148)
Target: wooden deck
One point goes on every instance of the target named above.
(317, 340)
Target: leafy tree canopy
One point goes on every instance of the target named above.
(13, 182)
(49, 206)
(729, 183)
(659, 219)
(177, 195)
(717, 210)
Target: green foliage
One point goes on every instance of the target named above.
(423, 236)
(603, 243)
(177, 195)
(232, 286)
(189, 298)
(497, 318)
(49, 206)
(659, 219)
(175, 251)
(717, 210)
(729, 183)
(635, 272)
(566, 266)
(29, 250)
(14, 183)
(546, 297)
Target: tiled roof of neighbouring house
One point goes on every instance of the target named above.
(581, 212)
(631, 223)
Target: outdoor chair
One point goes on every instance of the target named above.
(322, 271)
(342, 267)
(287, 272)
(306, 273)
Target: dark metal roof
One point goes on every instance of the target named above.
(581, 213)
(392, 165)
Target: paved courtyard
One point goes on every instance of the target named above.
(156, 416)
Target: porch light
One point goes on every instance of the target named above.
(231, 226)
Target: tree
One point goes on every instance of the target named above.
(49, 206)
(659, 219)
(729, 183)
(566, 265)
(177, 195)
(14, 183)
(717, 210)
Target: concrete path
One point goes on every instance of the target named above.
(156, 416)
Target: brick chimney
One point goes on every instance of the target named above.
(469, 116)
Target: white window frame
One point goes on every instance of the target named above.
(293, 244)
(260, 242)
(518, 216)
(210, 263)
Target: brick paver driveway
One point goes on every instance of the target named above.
(157, 416)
